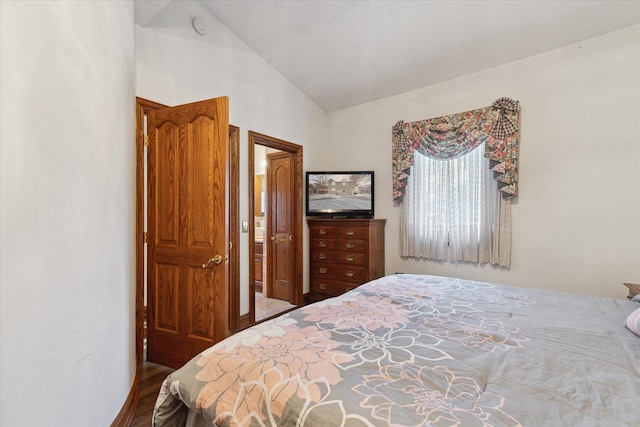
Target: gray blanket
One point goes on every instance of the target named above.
(413, 350)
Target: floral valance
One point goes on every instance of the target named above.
(452, 136)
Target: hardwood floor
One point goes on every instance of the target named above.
(151, 377)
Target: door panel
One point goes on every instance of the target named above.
(188, 225)
(280, 257)
(166, 162)
(203, 185)
(166, 297)
(200, 301)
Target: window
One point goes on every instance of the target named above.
(441, 181)
(452, 210)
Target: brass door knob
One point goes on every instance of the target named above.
(215, 259)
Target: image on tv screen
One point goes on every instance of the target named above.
(337, 192)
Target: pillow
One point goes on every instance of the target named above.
(633, 322)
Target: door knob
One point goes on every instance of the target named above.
(216, 260)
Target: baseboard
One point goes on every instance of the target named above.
(245, 321)
(128, 410)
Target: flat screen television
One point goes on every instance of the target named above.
(340, 194)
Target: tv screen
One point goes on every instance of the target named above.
(340, 194)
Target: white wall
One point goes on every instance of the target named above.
(67, 211)
(576, 222)
(176, 65)
(67, 201)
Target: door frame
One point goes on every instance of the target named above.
(143, 107)
(256, 138)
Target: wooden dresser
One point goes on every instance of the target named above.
(344, 253)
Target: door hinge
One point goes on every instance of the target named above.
(145, 237)
(146, 140)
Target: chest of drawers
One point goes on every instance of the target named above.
(344, 253)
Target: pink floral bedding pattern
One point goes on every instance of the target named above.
(405, 350)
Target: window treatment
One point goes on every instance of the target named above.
(452, 210)
(439, 221)
(452, 136)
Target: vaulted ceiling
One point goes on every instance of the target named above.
(345, 53)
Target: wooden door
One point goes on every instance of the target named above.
(188, 230)
(280, 256)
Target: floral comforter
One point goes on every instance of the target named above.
(413, 350)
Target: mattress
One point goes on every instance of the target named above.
(417, 350)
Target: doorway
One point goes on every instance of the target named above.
(275, 229)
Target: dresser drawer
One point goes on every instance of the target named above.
(331, 287)
(323, 244)
(323, 232)
(343, 254)
(338, 245)
(346, 258)
(339, 232)
(346, 273)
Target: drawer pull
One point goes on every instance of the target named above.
(350, 232)
(322, 231)
(349, 258)
(323, 270)
(322, 286)
(351, 245)
(322, 255)
(322, 244)
(349, 273)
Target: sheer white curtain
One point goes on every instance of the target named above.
(452, 210)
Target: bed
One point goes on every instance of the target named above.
(417, 350)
